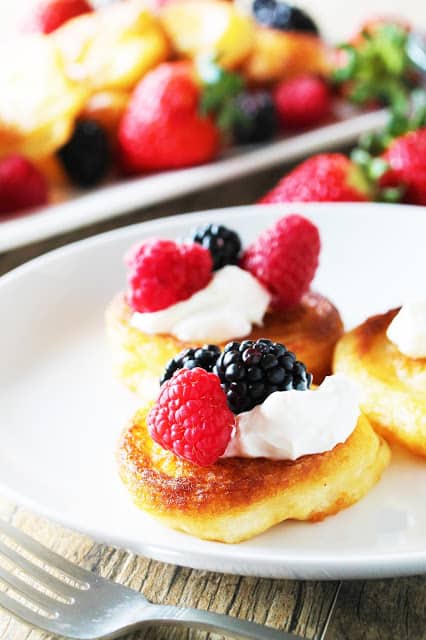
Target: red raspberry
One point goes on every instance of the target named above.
(22, 186)
(48, 15)
(162, 272)
(191, 417)
(285, 258)
(302, 101)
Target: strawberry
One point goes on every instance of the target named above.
(406, 157)
(327, 177)
(162, 127)
(303, 101)
(48, 15)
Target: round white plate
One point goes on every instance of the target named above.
(61, 410)
(74, 208)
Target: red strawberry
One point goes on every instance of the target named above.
(162, 273)
(327, 177)
(285, 259)
(22, 186)
(303, 101)
(48, 15)
(162, 127)
(406, 157)
(191, 417)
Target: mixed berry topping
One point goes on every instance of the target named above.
(223, 244)
(258, 118)
(204, 357)
(250, 371)
(192, 418)
(284, 16)
(163, 272)
(86, 156)
(284, 259)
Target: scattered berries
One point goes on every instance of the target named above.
(407, 167)
(48, 15)
(86, 156)
(284, 16)
(223, 244)
(258, 118)
(284, 259)
(162, 273)
(326, 177)
(162, 127)
(192, 418)
(250, 371)
(303, 101)
(22, 186)
(204, 357)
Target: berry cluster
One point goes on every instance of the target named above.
(248, 371)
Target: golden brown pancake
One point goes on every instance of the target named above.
(310, 329)
(393, 385)
(238, 498)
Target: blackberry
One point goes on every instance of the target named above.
(258, 118)
(250, 371)
(223, 244)
(280, 15)
(204, 357)
(86, 156)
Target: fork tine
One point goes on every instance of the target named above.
(42, 576)
(49, 557)
(37, 597)
(21, 611)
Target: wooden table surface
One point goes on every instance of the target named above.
(349, 610)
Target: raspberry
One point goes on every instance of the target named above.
(22, 186)
(162, 273)
(250, 371)
(223, 244)
(302, 101)
(204, 357)
(191, 417)
(285, 258)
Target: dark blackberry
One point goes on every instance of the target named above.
(204, 357)
(280, 15)
(250, 371)
(86, 156)
(258, 120)
(223, 244)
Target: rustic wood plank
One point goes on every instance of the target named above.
(300, 607)
(380, 610)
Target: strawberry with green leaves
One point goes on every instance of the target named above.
(326, 177)
(406, 166)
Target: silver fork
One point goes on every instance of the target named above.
(91, 607)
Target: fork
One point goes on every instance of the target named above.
(82, 605)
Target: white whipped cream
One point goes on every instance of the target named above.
(226, 308)
(290, 424)
(408, 330)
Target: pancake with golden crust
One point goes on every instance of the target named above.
(238, 498)
(310, 329)
(393, 385)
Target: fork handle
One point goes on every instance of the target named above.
(217, 623)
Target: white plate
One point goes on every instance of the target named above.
(61, 410)
(77, 209)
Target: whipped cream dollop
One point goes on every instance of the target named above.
(226, 308)
(407, 330)
(290, 424)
